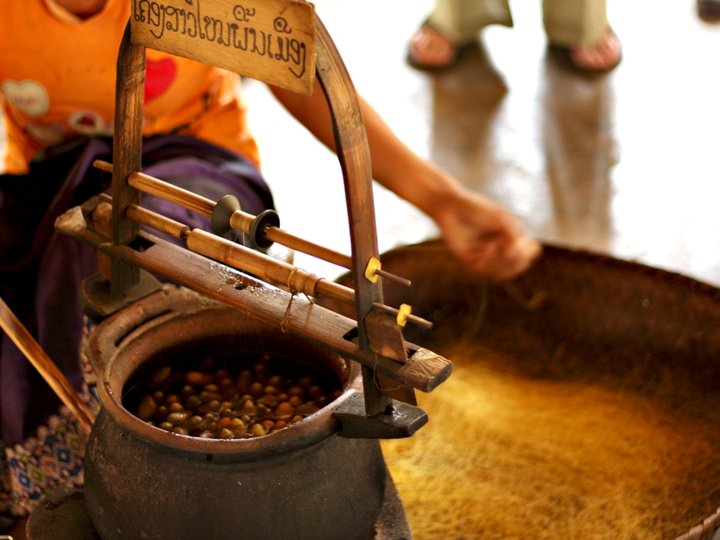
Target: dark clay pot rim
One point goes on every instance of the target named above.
(123, 342)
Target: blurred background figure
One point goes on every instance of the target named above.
(709, 10)
(578, 31)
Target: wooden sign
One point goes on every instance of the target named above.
(269, 40)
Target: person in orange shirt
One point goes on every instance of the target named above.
(58, 107)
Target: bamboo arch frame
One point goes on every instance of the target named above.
(352, 150)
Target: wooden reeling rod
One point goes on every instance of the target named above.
(249, 260)
(239, 220)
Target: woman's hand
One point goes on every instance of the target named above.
(479, 231)
(485, 236)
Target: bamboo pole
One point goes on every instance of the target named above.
(261, 265)
(24, 341)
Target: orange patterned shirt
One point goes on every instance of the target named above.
(57, 80)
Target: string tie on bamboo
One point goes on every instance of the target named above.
(286, 317)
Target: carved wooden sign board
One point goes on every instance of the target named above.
(269, 40)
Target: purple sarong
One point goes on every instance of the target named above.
(41, 272)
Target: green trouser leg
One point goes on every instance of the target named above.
(574, 22)
(566, 22)
(461, 20)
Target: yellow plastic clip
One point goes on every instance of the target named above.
(371, 269)
(404, 312)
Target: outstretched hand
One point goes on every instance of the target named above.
(479, 231)
(485, 236)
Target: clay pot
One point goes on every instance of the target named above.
(304, 481)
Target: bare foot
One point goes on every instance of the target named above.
(430, 49)
(602, 55)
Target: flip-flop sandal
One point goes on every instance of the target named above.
(459, 50)
(564, 54)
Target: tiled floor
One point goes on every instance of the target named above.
(625, 164)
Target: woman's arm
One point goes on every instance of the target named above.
(479, 231)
